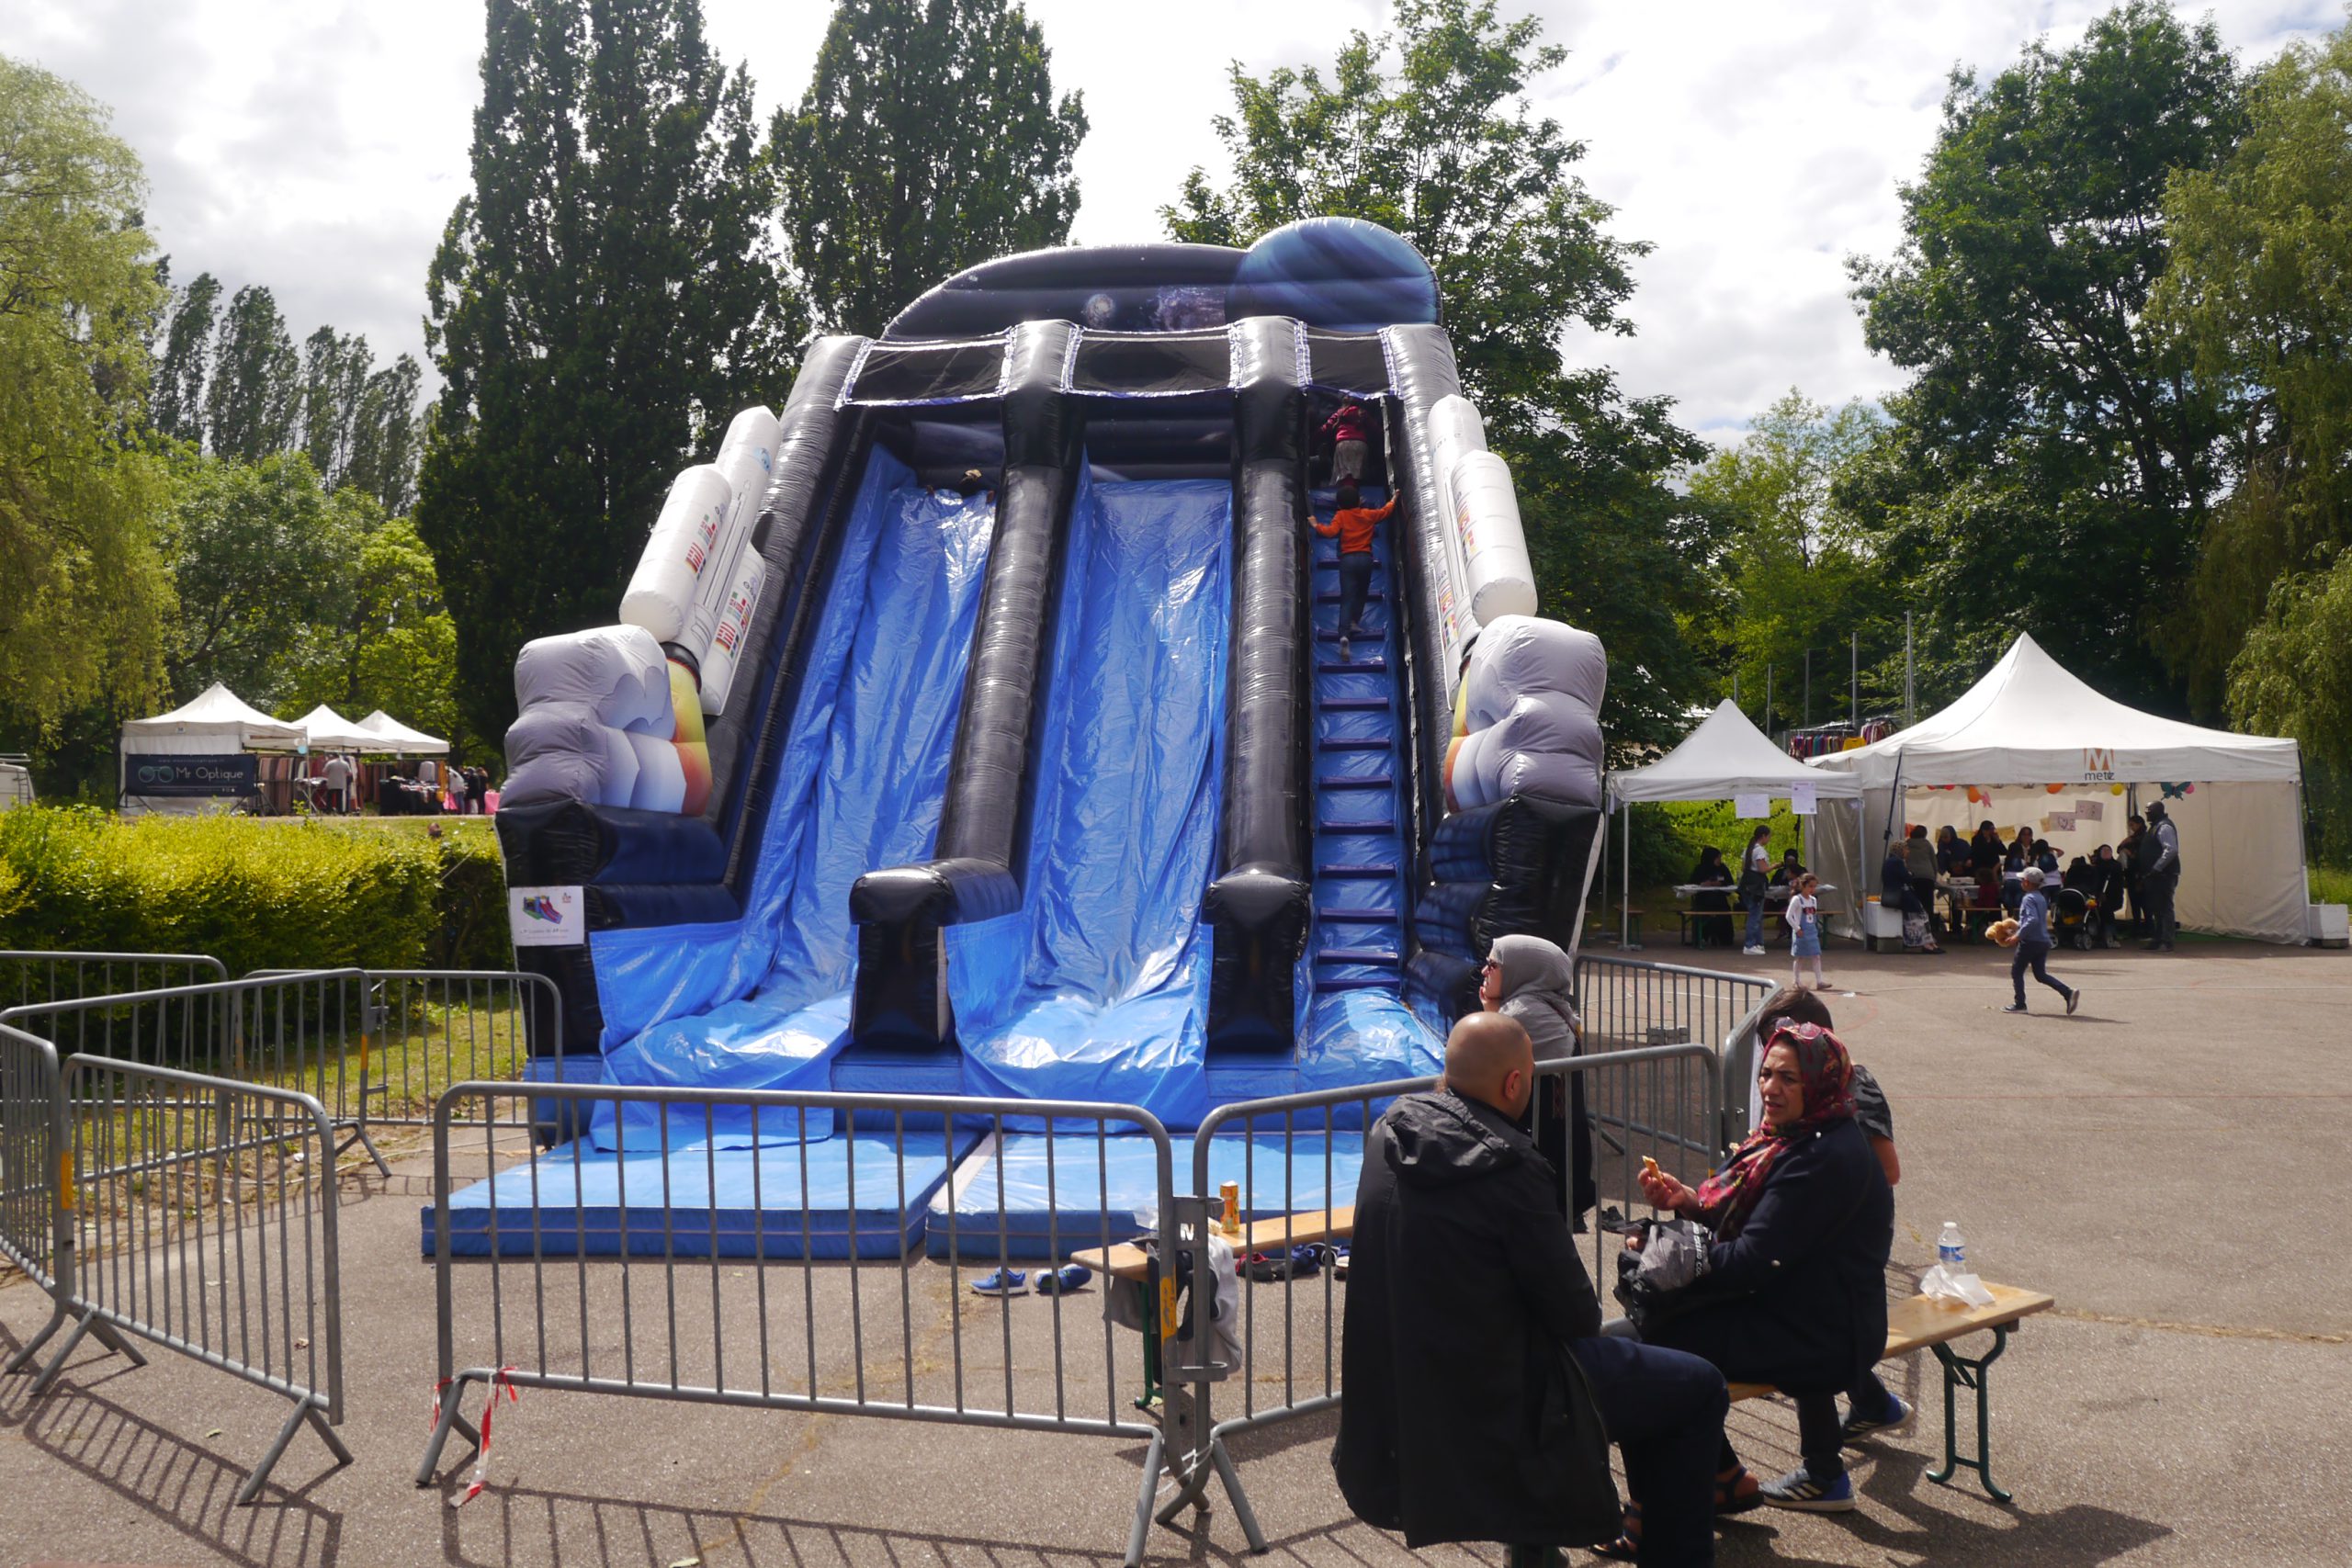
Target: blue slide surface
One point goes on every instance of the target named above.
(860, 785)
(1097, 988)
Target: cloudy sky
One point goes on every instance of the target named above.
(318, 147)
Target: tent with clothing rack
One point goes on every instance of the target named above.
(390, 736)
(2031, 745)
(1724, 757)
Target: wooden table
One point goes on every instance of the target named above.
(1923, 1323)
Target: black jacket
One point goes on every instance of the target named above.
(1465, 1419)
(1798, 1298)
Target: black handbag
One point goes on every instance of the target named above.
(1662, 1282)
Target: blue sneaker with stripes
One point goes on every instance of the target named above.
(1800, 1490)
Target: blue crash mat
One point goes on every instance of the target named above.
(785, 1202)
(1106, 1190)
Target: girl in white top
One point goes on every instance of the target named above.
(1804, 931)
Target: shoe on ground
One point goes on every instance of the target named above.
(1062, 1281)
(1003, 1282)
(2015, 1007)
(1855, 1428)
(2073, 1000)
(1800, 1490)
(1753, 953)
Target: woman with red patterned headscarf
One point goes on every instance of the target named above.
(1795, 1289)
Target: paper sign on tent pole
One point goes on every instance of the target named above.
(1801, 798)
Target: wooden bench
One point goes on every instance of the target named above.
(1915, 1324)
(1922, 1323)
(1688, 921)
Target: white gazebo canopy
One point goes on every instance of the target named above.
(218, 720)
(390, 735)
(2029, 745)
(330, 731)
(1724, 756)
(2030, 721)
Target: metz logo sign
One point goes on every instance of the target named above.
(2098, 764)
(546, 917)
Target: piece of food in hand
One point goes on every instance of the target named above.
(1649, 1167)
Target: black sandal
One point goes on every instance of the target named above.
(1729, 1498)
(1627, 1547)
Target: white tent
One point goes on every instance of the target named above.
(330, 731)
(1724, 757)
(2039, 748)
(205, 741)
(390, 735)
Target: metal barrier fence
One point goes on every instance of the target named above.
(1630, 1003)
(373, 1045)
(691, 1246)
(190, 1212)
(1659, 1101)
(34, 1150)
(30, 979)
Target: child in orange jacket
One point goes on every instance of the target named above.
(1353, 522)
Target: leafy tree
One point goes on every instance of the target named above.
(386, 437)
(335, 366)
(2052, 447)
(253, 404)
(1426, 130)
(178, 409)
(83, 597)
(604, 299)
(260, 555)
(2260, 292)
(392, 644)
(1797, 573)
(929, 139)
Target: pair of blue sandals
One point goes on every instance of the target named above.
(1061, 1281)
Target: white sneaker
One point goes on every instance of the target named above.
(1752, 953)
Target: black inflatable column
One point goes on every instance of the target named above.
(1257, 907)
(900, 1000)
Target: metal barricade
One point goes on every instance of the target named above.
(760, 1249)
(34, 1152)
(29, 979)
(1630, 1003)
(304, 1031)
(1660, 1100)
(433, 1028)
(199, 1214)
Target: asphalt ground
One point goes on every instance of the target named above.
(2168, 1163)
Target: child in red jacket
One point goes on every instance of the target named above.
(1353, 522)
(1349, 430)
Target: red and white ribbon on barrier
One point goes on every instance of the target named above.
(500, 1379)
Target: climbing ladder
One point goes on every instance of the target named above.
(1359, 849)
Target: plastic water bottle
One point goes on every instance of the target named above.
(1952, 1250)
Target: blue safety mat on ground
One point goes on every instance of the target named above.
(1073, 1191)
(854, 1196)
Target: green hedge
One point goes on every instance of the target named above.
(265, 894)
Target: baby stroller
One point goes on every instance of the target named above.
(2073, 918)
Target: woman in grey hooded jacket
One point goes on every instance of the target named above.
(1531, 980)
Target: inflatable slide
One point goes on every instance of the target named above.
(979, 723)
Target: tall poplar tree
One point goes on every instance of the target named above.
(177, 405)
(929, 139)
(252, 406)
(603, 302)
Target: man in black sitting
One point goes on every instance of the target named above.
(1472, 1355)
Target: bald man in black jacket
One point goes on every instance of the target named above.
(1480, 1400)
